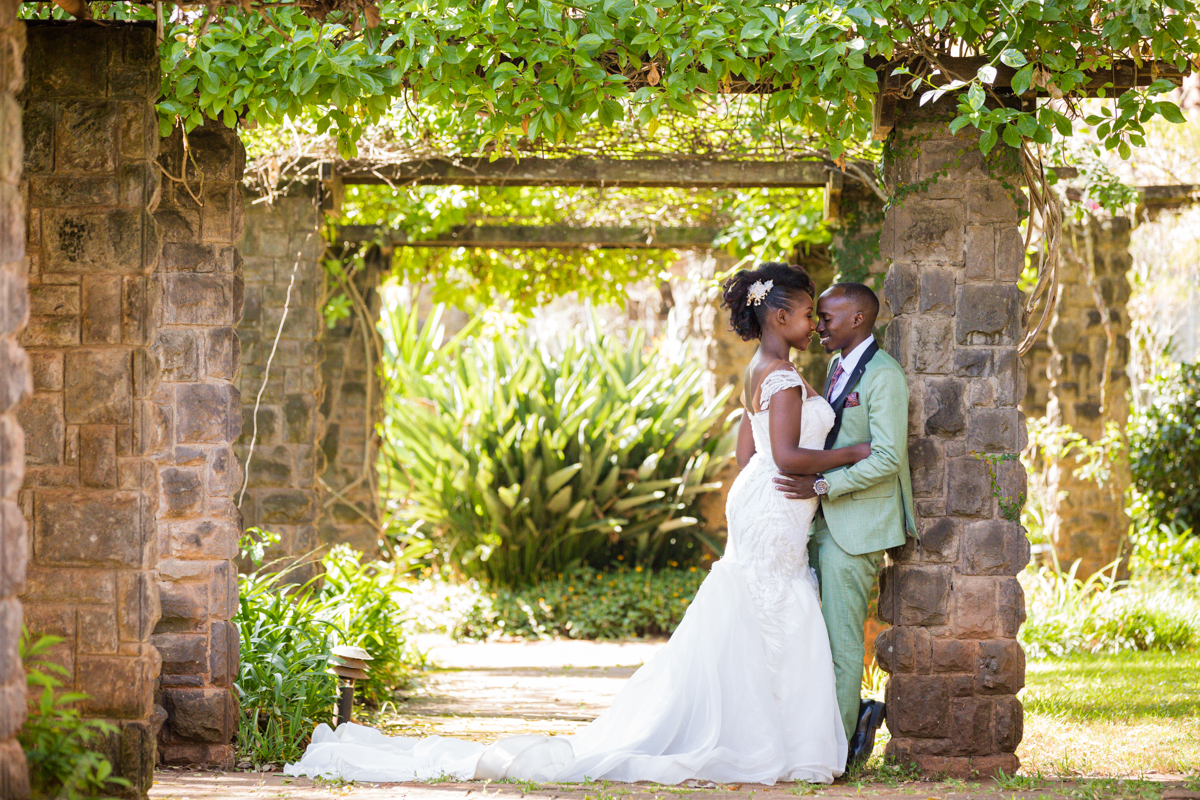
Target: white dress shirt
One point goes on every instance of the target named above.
(849, 362)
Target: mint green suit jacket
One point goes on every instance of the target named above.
(869, 506)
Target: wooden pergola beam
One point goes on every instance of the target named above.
(556, 237)
(654, 173)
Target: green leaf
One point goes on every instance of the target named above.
(1170, 112)
(1022, 80)
(589, 42)
(1013, 58)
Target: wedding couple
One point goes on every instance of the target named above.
(761, 680)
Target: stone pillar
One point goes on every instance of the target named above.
(1084, 520)
(14, 385)
(856, 248)
(352, 408)
(198, 289)
(90, 491)
(1037, 378)
(281, 251)
(953, 598)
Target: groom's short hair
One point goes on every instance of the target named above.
(863, 297)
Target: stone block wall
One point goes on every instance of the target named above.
(352, 407)
(14, 385)
(282, 248)
(953, 598)
(90, 491)
(1085, 520)
(198, 292)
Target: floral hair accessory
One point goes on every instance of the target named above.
(758, 292)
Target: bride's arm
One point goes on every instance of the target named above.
(784, 423)
(745, 442)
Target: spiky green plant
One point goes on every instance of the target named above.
(521, 464)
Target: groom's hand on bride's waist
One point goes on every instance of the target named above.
(796, 487)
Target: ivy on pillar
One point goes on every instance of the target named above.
(953, 598)
(1089, 388)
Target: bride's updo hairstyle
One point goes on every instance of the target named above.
(786, 283)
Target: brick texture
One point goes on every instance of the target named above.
(90, 491)
(953, 598)
(15, 384)
(1086, 521)
(352, 407)
(282, 247)
(198, 292)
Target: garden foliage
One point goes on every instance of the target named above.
(63, 749)
(537, 69)
(1165, 450)
(1068, 614)
(587, 604)
(520, 464)
(287, 633)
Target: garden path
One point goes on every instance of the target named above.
(484, 691)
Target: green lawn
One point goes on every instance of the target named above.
(1121, 715)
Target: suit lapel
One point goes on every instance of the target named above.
(839, 403)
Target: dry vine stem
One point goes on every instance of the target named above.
(1048, 206)
(287, 304)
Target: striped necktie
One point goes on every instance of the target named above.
(837, 375)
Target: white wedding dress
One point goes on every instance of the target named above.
(742, 693)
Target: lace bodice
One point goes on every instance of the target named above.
(815, 422)
(768, 533)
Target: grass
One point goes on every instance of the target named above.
(1125, 715)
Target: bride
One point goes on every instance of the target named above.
(744, 690)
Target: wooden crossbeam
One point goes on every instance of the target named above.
(556, 237)
(592, 172)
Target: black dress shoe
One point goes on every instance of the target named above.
(871, 714)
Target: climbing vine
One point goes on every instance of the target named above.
(530, 70)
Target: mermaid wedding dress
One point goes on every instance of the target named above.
(743, 692)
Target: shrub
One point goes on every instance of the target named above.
(584, 604)
(1067, 614)
(1165, 451)
(521, 465)
(62, 748)
(288, 632)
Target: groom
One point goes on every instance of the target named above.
(866, 508)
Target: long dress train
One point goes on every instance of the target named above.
(743, 692)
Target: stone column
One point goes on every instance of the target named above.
(352, 407)
(856, 248)
(90, 491)
(198, 290)
(1037, 378)
(953, 598)
(281, 251)
(1087, 521)
(14, 385)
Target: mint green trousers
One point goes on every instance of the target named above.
(846, 583)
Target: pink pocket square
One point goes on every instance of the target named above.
(852, 400)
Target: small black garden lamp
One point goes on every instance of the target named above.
(349, 664)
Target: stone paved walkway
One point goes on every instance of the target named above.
(482, 692)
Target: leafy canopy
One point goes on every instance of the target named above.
(508, 71)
